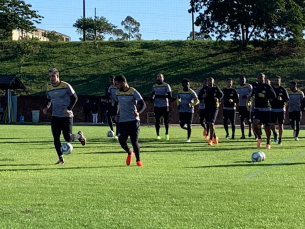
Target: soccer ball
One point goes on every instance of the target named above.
(66, 148)
(258, 156)
(110, 134)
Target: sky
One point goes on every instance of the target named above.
(159, 19)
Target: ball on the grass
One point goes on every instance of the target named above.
(258, 156)
(66, 148)
(110, 133)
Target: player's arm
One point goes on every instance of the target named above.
(73, 99)
(220, 94)
(48, 105)
(236, 96)
(141, 106)
(195, 99)
(153, 96)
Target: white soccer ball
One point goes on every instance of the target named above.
(66, 148)
(110, 134)
(258, 156)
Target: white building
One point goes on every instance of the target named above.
(18, 34)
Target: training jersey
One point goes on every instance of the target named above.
(60, 97)
(161, 89)
(211, 93)
(244, 92)
(230, 98)
(262, 93)
(279, 103)
(201, 103)
(186, 98)
(127, 104)
(295, 100)
(112, 93)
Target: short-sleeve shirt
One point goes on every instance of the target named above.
(295, 100)
(278, 104)
(112, 93)
(187, 97)
(211, 94)
(60, 98)
(262, 94)
(127, 104)
(161, 89)
(230, 98)
(244, 92)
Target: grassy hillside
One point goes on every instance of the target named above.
(87, 66)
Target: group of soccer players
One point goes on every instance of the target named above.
(260, 104)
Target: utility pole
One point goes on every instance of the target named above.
(84, 16)
(193, 26)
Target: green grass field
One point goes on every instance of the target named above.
(182, 185)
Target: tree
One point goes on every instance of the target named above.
(132, 27)
(244, 20)
(15, 14)
(96, 28)
(199, 36)
(53, 36)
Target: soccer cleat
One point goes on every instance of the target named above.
(166, 137)
(228, 136)
(294, 133)
(139, 163)
(243, 137)
(233, 137)
(259, 143)
(157, 137)
(280, 141)
(116, 137)
(129, 158)
(268, 146)
(296, 138)
(275, 137)
(250, 134)
(215, 140)
(207, 137)
(82, 138)
(60, 162)
(188, 140)
(210, 142)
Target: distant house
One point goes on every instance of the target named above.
(19, 34)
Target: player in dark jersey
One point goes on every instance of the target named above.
(230, 98)
(160, 96)
(212, 96)
(295, 108)
(186, 100)
(278, 108)
(110, 91)
(243, 91)
(202, 118)
(62, 97)
(262, 93)
(130, 106)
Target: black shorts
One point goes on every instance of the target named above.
(229, 114)
(244, 113)
(211, 114)
(161, 111)
(295, 116)
(129, 129)
(185, 118)
(112, 110)
(278, 117)
(264, 117)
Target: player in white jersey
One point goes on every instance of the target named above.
(62, 97)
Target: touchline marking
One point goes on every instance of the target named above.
(251, 175)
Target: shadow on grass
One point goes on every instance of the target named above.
(249, 163)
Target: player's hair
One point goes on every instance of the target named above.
(185, 80)
(53, 70)
(229, 79)
(277, 77)
(261, 74)
(293, 83)
(120, 79)
(111, 77)
(160, 74)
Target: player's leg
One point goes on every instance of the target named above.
(242, 123)
(134, 130)
(297, 124)
(213, 120)
(225, 122)
(249, 122)
(232, 117)
(189, 121)
(266, 116)
(110, 117)
(157, 112)
(274, 118)
(257, 127)
(166, 121)
(56, 131)
(182, 120)
(67, 124)
(281, 119)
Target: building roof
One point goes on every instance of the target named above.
(10, 82)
